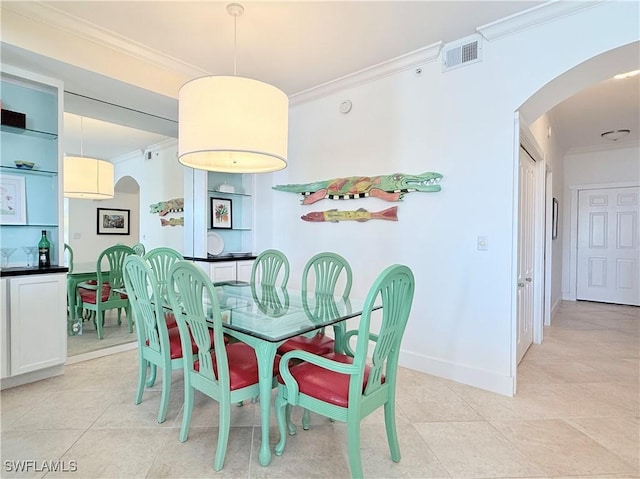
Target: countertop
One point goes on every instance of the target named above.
(222, 257)
(24, 271)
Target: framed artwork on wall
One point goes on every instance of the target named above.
(113, 221)
(221, 213)
(13, 210)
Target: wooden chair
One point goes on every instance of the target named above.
(226, 373)
(322, 274)
(345, 387)
(270, 268)
(108, 284)
(139, 249)
(158, 346)
(68, 252)
(160, 261)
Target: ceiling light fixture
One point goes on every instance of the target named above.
(87, 178)
(630, 74)
(232, 124)
(615, 135)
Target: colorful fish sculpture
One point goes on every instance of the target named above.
(386, 187)
(361, 215)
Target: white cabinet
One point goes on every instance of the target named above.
(36, 323)
(222, 271)
(4, 328)
(230, 271)
(243, 270)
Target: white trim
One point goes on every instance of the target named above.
(102, 352)
(480, 378)
(532, 17)
(49, 15)
(404, 62)
(33, 376)
(607, 147)
(548, 247)
(572, 294)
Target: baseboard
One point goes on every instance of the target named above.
(480, 378)
(555, 306)
(32, 377)
(102, 352)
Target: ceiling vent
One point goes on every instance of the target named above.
(461, 53)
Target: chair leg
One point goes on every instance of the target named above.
(99, 322)
(166, 392)
(142, 372)
(186, 414)
(306, 419)
(129, 318)
(290, 425)
(353, 446)
(119, 320)
(281, 405)
(151, 380)
(392, 433)
(224, 423)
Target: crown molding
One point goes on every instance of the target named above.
(404, 62)
(614, 145)
(51, 16)
(532, 17)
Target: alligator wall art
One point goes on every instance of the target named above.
(163, 208)
(386, 187)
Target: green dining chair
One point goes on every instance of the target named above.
(270, 268)
(227, 373)
(110, 284)
(160, 261)
(322, 274)
(346, 387)
(68, 253)
(158, 346)
(139, 249)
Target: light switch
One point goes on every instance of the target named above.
(483, 243)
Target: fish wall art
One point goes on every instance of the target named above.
(361, 215)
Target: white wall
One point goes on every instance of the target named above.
(160, 178)
(543, 131)
(83, 237)
(611, 166)
(460, 124)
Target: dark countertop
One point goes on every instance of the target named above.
(24, 271)
(215, 259)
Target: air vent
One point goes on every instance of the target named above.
(462, 53)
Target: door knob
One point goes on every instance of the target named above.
(528, 280)
(520, 284)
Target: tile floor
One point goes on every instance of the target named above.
(576, 415)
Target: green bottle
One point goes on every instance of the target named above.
(44, 248)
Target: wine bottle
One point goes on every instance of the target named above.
(44, 249)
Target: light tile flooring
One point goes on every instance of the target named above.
(575, 415)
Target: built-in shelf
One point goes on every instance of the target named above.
(231, 195)
(28, 171)
(27, 131)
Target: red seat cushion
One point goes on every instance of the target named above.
(89, 295)
(325, 385)
(175, 346)
(319, 344)
(243, 365)
(170, 319)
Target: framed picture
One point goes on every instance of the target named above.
(113, 221)
(554, 220)
(13, 209)
(221, 213)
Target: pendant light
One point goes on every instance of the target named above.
(87, 178)
(232, 124)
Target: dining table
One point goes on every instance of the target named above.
(264, 317)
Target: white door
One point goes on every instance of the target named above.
(526, 251)
(608, 252)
